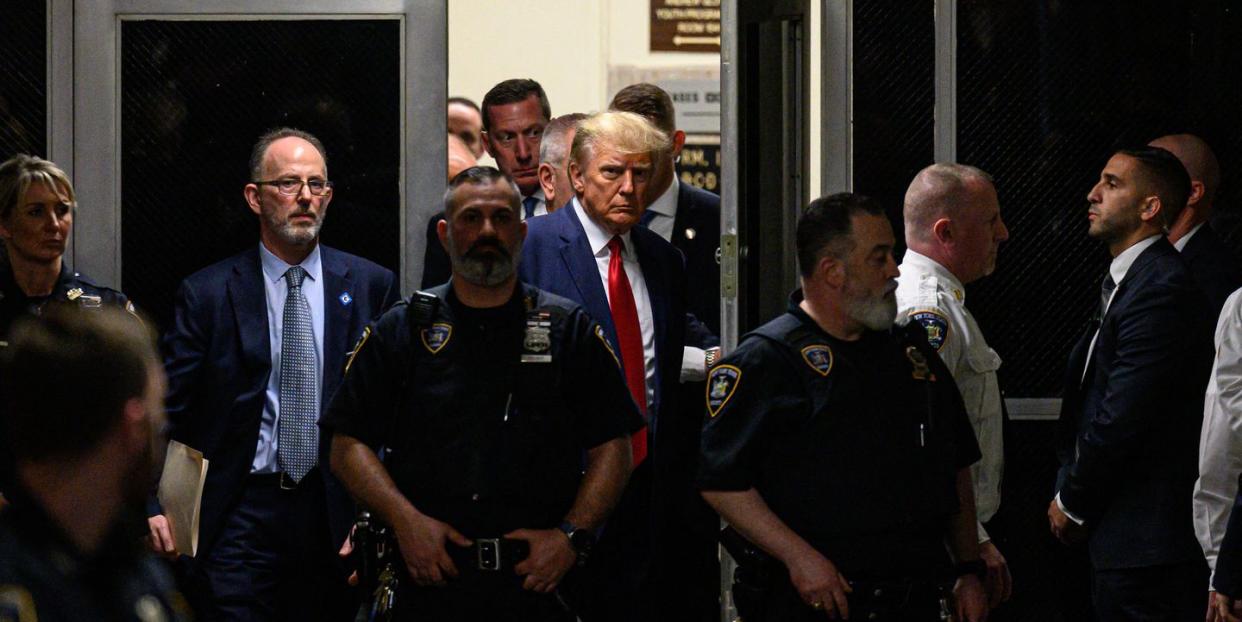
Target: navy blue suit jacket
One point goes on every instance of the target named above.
(217, 355)
(1214, 266)
(1129, 431)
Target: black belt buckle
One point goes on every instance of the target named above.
(286, 482)
(488, 553)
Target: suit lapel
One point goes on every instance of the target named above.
(339, 304)
(656, 277)
(580, 263)
(680, 220)
(249, 301)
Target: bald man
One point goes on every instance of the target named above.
(953, 230)
(558, 137)
(1214, 265)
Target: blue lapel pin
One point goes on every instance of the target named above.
(345, 299)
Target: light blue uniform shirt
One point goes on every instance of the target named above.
(276, 291)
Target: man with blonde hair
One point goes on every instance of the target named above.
(633, 282)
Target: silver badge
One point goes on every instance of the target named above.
(537, 344)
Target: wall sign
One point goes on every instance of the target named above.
(685, 26)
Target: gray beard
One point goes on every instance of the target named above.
(484, 272)
(875, 314)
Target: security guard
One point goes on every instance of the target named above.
(71, 541)
(36, 218)
(486, 394)
(953, 231)
(838, 445)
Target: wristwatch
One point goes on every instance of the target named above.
(582, 540)
(975, 566)
(711, 356)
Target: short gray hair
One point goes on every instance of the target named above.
(938, 191)
(273, 135)
(479, 176)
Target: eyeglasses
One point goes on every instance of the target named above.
(292, 187)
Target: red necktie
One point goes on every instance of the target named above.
(630, 338)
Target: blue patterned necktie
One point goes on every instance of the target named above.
(297, 435)
(528, 205)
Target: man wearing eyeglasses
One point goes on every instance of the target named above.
(257, 346)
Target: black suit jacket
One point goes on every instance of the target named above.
(698, 211)
(217, 356)
(1214, 266)
(1129, 429)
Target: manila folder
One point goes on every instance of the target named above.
(181, 493)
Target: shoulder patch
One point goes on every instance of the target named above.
(721, 384)
(936, 325)
(599, 333)
(366, 332)
(819, 357)
(436, 336)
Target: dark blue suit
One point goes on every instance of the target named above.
(1214, 266)
(218, 360)
(1128, 439)
(634, 566)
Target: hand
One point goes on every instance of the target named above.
(422, 541)
(1227, 609)
(972, 603)
(1063, 527)
(1211, 607)
(999, 583)
(161, 539)
(346, 548)
(821, 585)
(551, 556)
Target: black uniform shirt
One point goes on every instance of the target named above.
(44, 577)
(854, 445)
(71, 288)
(475, 436)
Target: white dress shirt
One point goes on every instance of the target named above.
(598, 238)
(276, 291)
(1181, 242)
(927, 289)
(1118, 269)
(665, 210)
(1220, 440)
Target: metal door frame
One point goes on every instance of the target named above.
(84, 104)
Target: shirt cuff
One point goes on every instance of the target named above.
(693, 364)
(983, 533)
(1068, 513)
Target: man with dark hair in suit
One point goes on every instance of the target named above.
(1133, 403)
(633, 282)
(515, 113)
(1214, 265)
(689, 218)
(256, 348)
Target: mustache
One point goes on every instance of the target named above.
(485, 243)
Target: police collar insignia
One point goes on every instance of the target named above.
(599, 332)
(537, 343)
(819, 357)
(921, 370)
(936, 325)
(74, 293)
(366, 332)
(721, 383)
(436, 336)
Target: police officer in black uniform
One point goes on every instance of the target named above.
(486, 394)
(36, 217)
(71, 541)
(837, 445)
